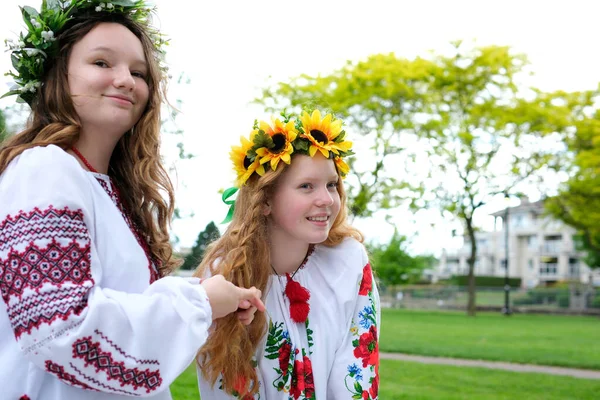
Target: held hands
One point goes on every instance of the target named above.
(225, 298)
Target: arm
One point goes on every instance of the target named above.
(62, 318)
(355, 369)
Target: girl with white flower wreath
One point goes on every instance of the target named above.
(88, 310)
(289, 237)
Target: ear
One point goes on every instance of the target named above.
(266, 209)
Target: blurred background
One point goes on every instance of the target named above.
(475, 181)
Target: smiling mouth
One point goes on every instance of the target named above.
(123, 99)
(318, 219)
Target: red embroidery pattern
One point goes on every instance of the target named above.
(24, 397)
(37, 225)
(35, 266)
(114, 195)
(43, 282)
(93, 355)
(366, 284)
(100, 384)
(116, 347)
(69, 379)
(45, 308)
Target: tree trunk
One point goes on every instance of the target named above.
(471, 262)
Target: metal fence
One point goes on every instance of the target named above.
(580, 299)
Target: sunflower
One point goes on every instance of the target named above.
(280, 144)
(242, 164)
(342, 167)
(322, 133)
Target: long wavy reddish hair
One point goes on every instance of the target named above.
(135, 165)
(242, 255)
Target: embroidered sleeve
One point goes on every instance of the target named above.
(62, 318)
(356, 367)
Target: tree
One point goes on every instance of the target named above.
(460, 125)
(207, 236)
(578, 203)
(393, 265)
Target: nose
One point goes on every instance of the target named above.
(123, 79)
(324, 198)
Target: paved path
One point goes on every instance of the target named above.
(577, 373)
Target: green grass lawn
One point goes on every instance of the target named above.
(409, 380)
(569, 341)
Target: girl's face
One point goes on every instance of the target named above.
(107, 78)
(306, 201)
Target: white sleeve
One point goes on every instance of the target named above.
(355, 372)
(64, 321)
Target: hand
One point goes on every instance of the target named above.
(225, 297)
(246, 312)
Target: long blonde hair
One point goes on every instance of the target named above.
(242, 255)
(135, 165)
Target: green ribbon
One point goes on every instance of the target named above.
(231, 203)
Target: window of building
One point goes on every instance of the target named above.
(532, 241)
(573, 267)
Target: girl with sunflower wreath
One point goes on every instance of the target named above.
(289, 236)
(87, 310)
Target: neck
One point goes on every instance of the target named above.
(286, 257)
(96, 149)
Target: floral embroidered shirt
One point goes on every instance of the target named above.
(335, 353)
(83, 315)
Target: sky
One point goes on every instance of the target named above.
(229, 50)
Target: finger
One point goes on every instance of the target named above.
(245, 314)
(253, 296)
(244, 304)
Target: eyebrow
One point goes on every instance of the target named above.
(109, 50)
(312, 178)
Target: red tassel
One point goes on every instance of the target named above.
(298, 296)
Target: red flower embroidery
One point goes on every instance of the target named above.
(240, 385)
(368, 348)
(374, 390)
(297, 386)
(309, 382)
(284, 357)
(366, 285)
(365, 395)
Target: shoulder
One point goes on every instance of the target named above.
(44, 175)
(349, 253)
(43, 163)
(346, 260)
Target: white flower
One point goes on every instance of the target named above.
(109, 6)
(102, 5)
(34, 52)
(35, 23)
(48, 36)
(98, 9)
(21, 44)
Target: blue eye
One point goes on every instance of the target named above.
(305, 186)
(138, 75)
(101, 64)
(332, 184)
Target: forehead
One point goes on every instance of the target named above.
(113, 38)
(303, 166)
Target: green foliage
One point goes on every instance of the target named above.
(394, 266)
(485, 281)
(207, 236)
(3, 128)
(459, 125)
(578, 203)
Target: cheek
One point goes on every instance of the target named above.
(142, 93)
